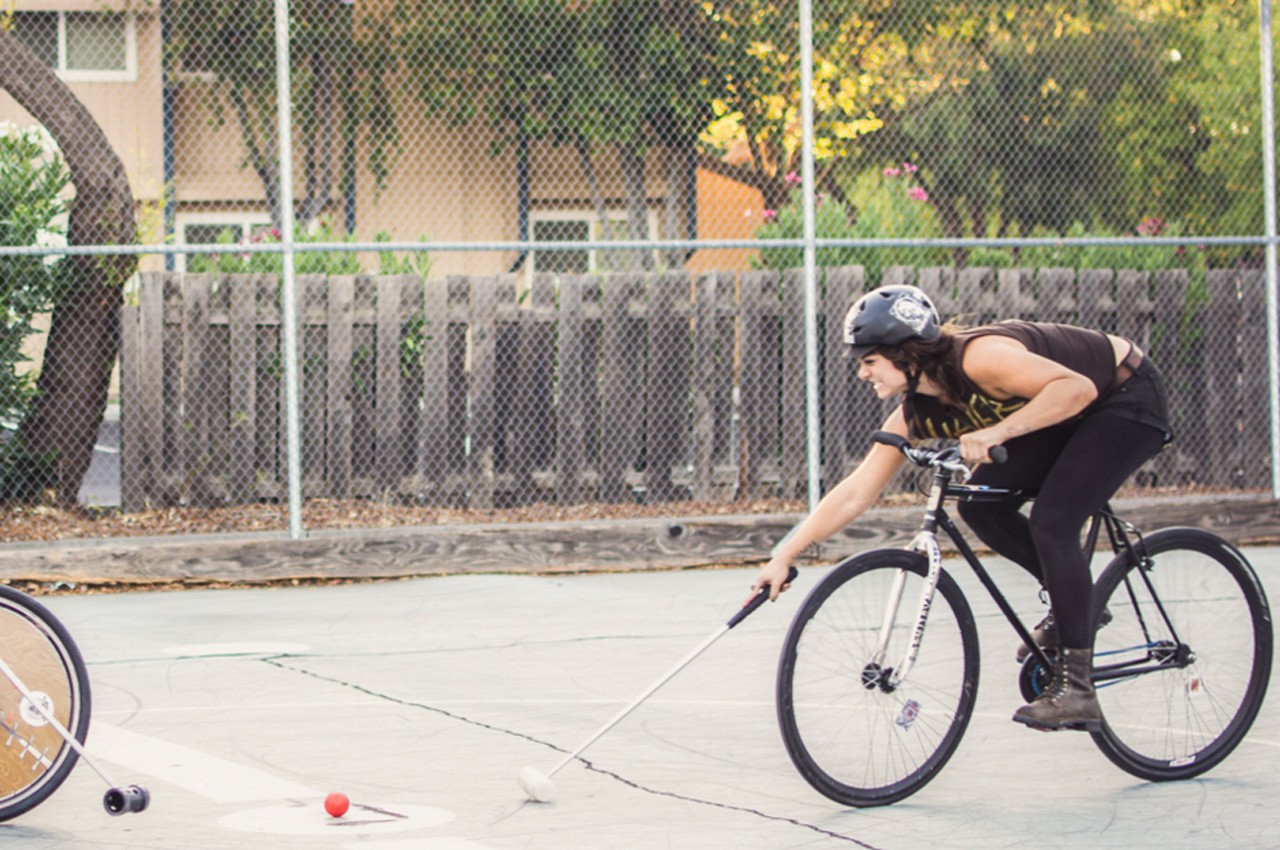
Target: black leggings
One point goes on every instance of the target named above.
(1073, 469)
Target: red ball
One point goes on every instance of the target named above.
(336, 804)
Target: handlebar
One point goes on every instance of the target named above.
(948, 458)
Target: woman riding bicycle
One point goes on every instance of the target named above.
(1078, 412)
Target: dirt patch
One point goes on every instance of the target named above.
(43, 523)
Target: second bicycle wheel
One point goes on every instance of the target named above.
(34, 758)
(1182, 668)
(855, 736)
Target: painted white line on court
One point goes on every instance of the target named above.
(200, 773)
(205, 650)
(447, 842)
(220, 708)
(300, 810)
(298, 817)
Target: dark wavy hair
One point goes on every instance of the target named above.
(938, 360)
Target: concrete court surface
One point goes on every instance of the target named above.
(421, 699)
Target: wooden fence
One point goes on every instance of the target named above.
(654, 387)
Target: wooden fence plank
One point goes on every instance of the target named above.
(760, 380)
(170, 348)
(1014, 298)
(433, 461)
(1219, 355)
(312, 312)
(1055, 295)
(571, 410)
(975, 295)
(362, 387)
(242, 386)
(1097, 305)
(216, 378)
(506, 381)
(1167, 349)
(939, 283)
(483, 322)
(622, 351)
(269, 345)
(533, 437)
(132, 426)
(844, 285)
(1255, 424)
(1134, 307)
(339, 343)
(704, 373)
(389, 458)
(793, 467)
(667, 428)
(725, 472)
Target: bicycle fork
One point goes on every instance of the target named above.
(926, 542)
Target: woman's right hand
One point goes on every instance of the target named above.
(775, 575)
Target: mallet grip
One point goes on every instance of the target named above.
(758, 600)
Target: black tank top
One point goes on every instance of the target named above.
(1088, 352)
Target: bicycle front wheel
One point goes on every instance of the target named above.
(1182, 668)
(34, 758)
(855, 734)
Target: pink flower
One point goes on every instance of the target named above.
(916, 193)
(1152, 226)
(792, 178)
(768, 215)
(892, 172)
(909, 168)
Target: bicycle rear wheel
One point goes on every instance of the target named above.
(34, 758)
(1182, 668)
(852, 735)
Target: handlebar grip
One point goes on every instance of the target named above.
(889, 438)
(998, 454)
(759, 599)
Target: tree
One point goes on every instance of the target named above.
(1052, 118)
(863, 72)
(84, 336)
(341, 59)
(589, 76)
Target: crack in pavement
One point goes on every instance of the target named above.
(280, 663)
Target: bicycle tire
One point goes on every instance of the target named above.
(865, 746)
(34, 758)
(1188, 715)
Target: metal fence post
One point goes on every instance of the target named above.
(812, 413)
(289, 306)
(1269, 196)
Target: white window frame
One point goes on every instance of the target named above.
(245, 221)
(592, 220)
(130, 72)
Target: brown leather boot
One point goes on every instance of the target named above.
(1045, 634)
(1069, 702)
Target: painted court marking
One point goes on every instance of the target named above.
(205, 650)
(297, 817)
(299, 810)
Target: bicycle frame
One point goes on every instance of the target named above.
(1123, 536)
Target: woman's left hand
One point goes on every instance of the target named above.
(976, 445)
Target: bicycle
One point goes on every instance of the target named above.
(872, 704)
(44, 710)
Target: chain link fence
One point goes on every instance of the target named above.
(547, 256)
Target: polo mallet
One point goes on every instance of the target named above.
(117, 800)
(539, 788)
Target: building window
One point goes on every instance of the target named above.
(84, 46)
(580, 226)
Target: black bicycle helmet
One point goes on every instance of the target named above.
(890, 316)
